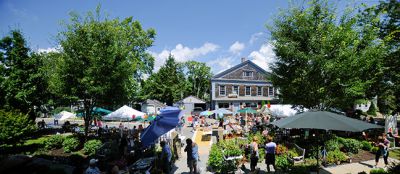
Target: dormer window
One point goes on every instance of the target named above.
(247, 73)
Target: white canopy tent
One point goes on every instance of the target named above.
(65, 115)
(282, 111)
(125, 113)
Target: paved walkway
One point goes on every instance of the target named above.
(355, 168)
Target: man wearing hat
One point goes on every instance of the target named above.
(92, 169)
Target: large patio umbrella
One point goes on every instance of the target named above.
(167, 119)
(324, 120)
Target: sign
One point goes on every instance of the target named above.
(232, 95)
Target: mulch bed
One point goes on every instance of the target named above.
(362, 156)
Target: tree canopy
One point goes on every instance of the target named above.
(102, 60)
(325, 60)
(23, 81)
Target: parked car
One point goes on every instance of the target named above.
(196, 111)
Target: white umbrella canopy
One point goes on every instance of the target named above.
(124, 113)
(64, 115)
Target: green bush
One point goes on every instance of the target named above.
(70, 144)
(366, 145)
(216, 158)
(378, 171)
(335, 156)
(91, 147)
(292, 153)
(282, 162)
(230, 148)
(54, 142)
(332, 145)
(14, 127)
(350, 145)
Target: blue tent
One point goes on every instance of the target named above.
(167, 120)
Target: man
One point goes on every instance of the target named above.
(166, 156)
(92, 169)
(270, 148)
(192, 155)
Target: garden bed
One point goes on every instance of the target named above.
(362, 155)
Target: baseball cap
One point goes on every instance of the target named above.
(93, 161)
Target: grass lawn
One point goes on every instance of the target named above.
(395, 154)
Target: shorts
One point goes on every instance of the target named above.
(270, 158)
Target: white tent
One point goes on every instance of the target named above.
(282, 110)
(124, 113)
(65, 115)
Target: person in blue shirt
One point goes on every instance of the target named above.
(166, 156)
(192, 155)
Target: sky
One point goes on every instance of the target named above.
(217, 32)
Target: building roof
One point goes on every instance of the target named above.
(155, 103)
(191, 99)
(223, 73)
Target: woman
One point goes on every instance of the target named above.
(270, 149)
(383, 144)
(253, 154)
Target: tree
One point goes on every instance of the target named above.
(389, 31)
(198, 78)
(323, 60)
(14, 126)
(24, 83)
(102, 61)
(168, 84)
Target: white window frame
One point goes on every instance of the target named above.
(251, 73)
(220, 90)
(273, 92)
(245, 91)
(233, 89)
(262, 90)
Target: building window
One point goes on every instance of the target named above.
(270, 91)
(222, 90)
(248, 90)
(235, 89)
(259, 90)
(247, 74)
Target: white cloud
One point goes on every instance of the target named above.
(236, 47)
(220, 64)
(264, 57)
(50, 49)
(182, 53)
(255, 37)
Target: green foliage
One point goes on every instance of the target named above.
(350, 145)
(365, 145)
(230, 148)
(377, 171)
(54, 142)
(282, 162)
(14, 127)
(198, 77)
(91, 147)
(393, 168)
(23, 84)
(335, 156)
(332, 145)
(216, 158)
(70, 144)
(309, 41)
(374, 149)
(102, 61)
(168, 84)
(292, 153)
(372, 109)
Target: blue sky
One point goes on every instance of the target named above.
(218, 32)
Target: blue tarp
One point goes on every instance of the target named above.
(167, 120)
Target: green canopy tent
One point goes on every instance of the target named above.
(247, 111)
